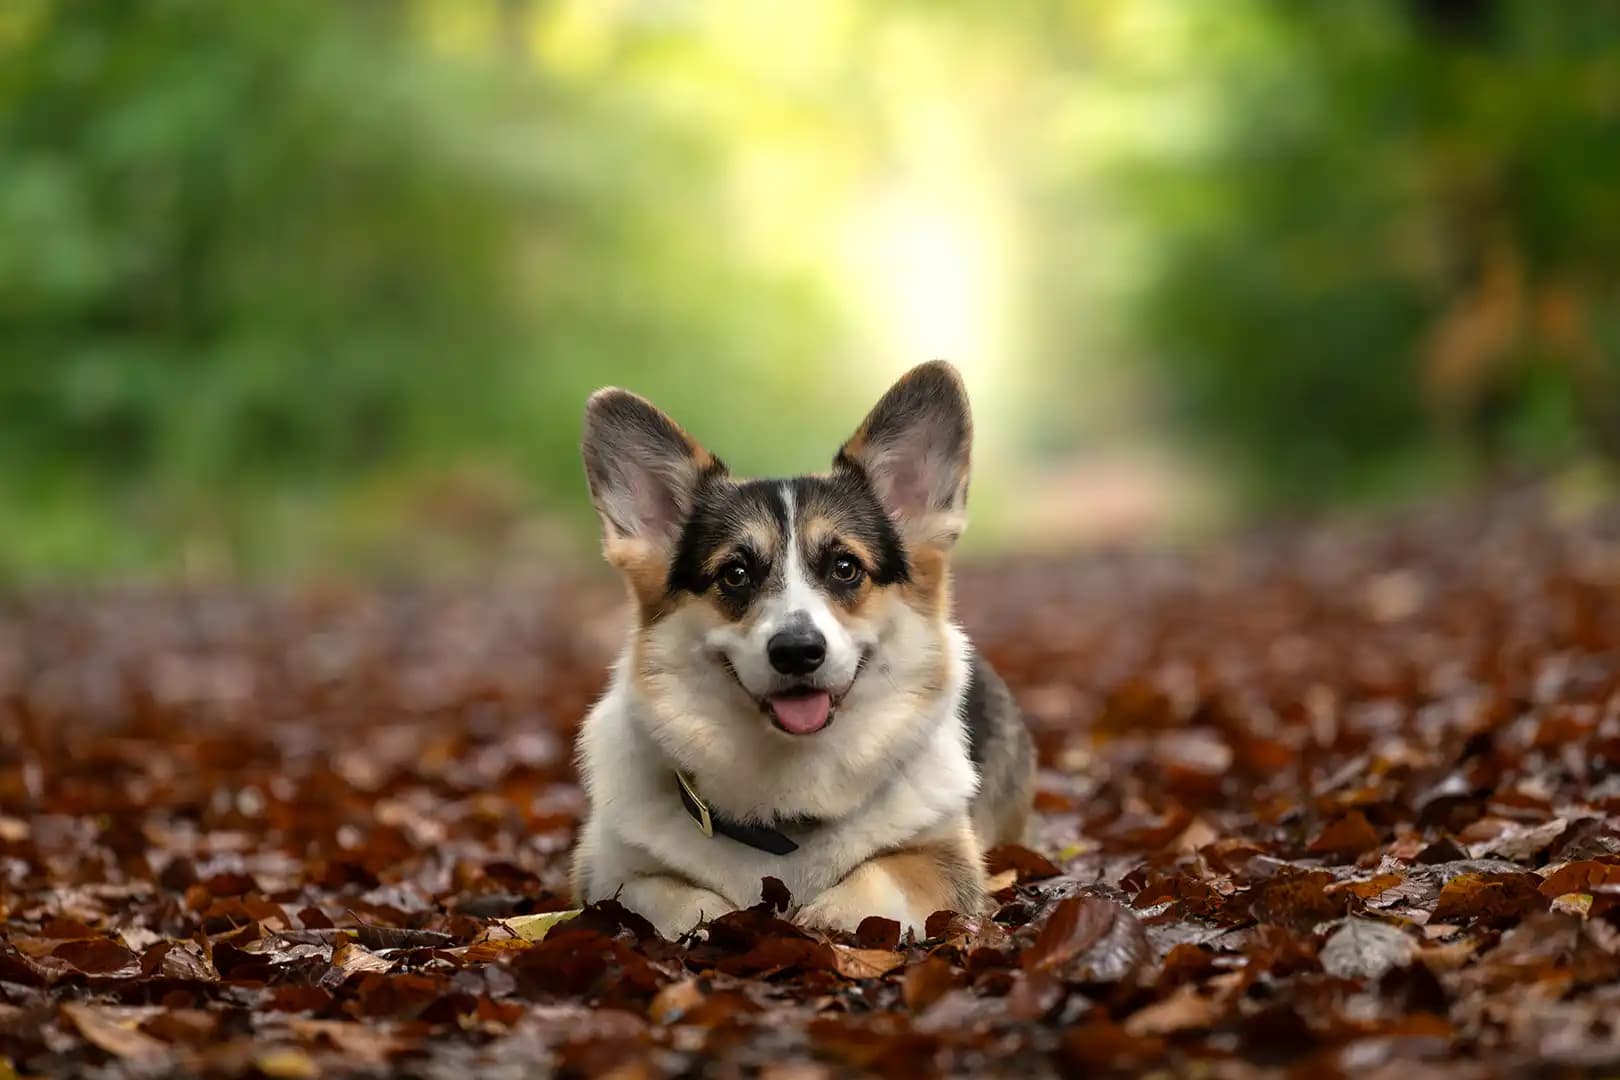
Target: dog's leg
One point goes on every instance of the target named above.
(672, 904)
(906, 886)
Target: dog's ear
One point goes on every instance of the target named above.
(913, 447)
(643, 472)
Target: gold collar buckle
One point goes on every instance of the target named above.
(702, 820)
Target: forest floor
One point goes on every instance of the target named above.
(1344, 799)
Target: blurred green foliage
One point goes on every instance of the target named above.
(323, 283)
(260, 256)
(1394, 256)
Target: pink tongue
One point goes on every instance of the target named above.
(802, 713)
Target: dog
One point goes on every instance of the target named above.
(795, 700)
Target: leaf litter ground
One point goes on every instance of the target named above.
(1345, 800)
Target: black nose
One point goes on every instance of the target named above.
(798, 650)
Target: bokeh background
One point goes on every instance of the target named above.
(319, 286)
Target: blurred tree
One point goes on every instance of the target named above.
(272, 254)
(1399, 248)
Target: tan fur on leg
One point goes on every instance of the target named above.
(907, 886)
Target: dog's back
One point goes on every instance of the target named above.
(1004, 756)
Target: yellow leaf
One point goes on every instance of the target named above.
(535, 927)
(1575, 903)
(286, 1063)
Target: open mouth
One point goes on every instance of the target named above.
(803, 709)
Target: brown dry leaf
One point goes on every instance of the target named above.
(1296, 898)
(865, 963)
(926, 982)
(115, 1030)
(1028, 865)
(876, 932)
(351, 958)
(1450, 956)
(1580, 877)
(365, 1043)
(1368, 888)
(97, 956)
(1186, 1009)
(674, 1001)
(399, 760)
(1494, 897)
(1520, 842)
(1088, 939)
(1099, 1044)
(185, 960)
(1034, 994)
(1348, 836)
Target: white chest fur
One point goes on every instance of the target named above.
(638, 824)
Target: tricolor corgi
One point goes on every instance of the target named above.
(794, 699)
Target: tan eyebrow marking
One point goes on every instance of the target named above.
(753, 534)
(822, 532)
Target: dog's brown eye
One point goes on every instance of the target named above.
(734, 576)
(845, 570)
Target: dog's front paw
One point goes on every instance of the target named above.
(671, 905)
(868, 890)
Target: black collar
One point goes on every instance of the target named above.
(709, 822)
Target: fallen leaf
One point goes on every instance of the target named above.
(286, 1063)
(876, 932)
(115, 1030)
(1366, 949)
(1026, 864)
(97, 956)
(364, 1042)
(1088, 939)
(926, 982)
(535, 927)
(1494, 897)
(1580, 877)
(865, 963)
(1186, 1009)
(1520, 842)
(351, 958)
(1348, 836)
(674, 1001)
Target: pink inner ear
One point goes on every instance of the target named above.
(657, 510)
(904, 485)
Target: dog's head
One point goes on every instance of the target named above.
(769, 609)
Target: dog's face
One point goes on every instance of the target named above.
(769, 609)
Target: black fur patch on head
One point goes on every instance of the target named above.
(845, 500)
(726, 512)
(721, 517)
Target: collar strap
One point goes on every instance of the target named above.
(709, 823)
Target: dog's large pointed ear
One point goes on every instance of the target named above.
(643, 471)
(914, 447)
